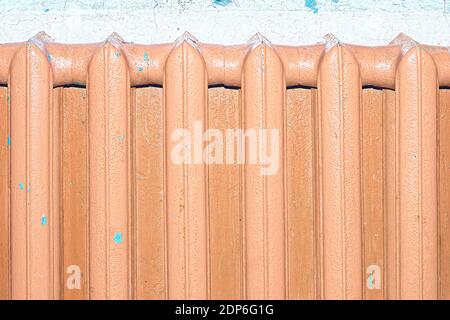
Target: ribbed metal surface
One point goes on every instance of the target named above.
(92, 205)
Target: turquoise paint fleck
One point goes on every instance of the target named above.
(145, 57)
(140, 69)
(43, 220)
(222, 3)
(9, 140)
(49, 56)
(118, 237)
(335, 1)
(312, 5)
(28, 189)
(46, 10)
(21, 186)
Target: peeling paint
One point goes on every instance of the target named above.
(222, 3)
(118, 238)
(312, 5)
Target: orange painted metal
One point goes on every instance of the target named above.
(35, 267)
(4, 196)
(110, 202)
(358, 207)
(186, 206)
(416, 175)
(339, 87)
(263, 90)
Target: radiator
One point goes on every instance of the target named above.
(314, 172)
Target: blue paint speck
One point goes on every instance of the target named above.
(49, 56)
(43, 220)
(140, 69)
(9, 140)
(145, 57)
(335, 1)
(46, 10)
(118, 237)
(21, 186)
(312, 5)
(222, 3)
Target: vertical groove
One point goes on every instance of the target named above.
(185, 102)
(417, 176)
(134, 197)
(74, 193)
(342, 175)
(109, 161)
(372, 156)
(264, 183)
(32, 185)
(88, 203)
(5, 218)
(105, 83)
(243, 201)
(420, 181)
(363, 190)
(340, 89)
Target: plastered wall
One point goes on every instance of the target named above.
(227, 21)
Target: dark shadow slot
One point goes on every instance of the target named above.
(72, 85)
(212, 86)
(376, 88)
(141, 86)
(301, 87)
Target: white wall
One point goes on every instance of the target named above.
(227, 21)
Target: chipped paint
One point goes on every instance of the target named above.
(222, 3)
(312, 5)
(118, 238)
